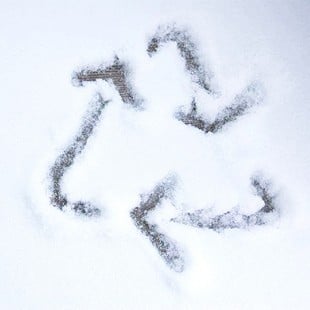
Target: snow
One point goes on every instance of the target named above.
(55, 260)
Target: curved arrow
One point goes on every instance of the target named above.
(251, 96)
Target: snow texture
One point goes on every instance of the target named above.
(177, 177)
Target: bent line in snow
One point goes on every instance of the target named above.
(166, 247)
(251, 96)
(188, 51)
(234, 219)
(66, 159)
(117, 72)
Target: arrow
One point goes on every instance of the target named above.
(165, 246)
(252, 95)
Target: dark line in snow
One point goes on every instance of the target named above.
(250, 97)
(166, 247)
(234, 219)
(188, 51)
(118, 73)
(66, 159)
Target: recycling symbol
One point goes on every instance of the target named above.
(117, 73)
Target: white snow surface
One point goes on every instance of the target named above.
(54, 260)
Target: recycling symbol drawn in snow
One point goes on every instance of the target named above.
(117, 73)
